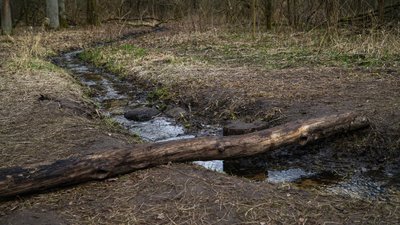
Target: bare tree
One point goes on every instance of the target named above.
(332, 13)
(292, 12)
(52, 13)
(62, 12)
(254, 15)
(381, 11)
(268, 14)
(6, 20)
(92, 12)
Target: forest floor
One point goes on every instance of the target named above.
(217, 76)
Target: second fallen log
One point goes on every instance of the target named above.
(20, 180)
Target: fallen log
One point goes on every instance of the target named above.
(20, 180)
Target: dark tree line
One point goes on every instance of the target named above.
(259, 14)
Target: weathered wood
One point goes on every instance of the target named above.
(20, 180)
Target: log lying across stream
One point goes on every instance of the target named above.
(20, 180)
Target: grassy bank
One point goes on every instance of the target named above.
(220, 75)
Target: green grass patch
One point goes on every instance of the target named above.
(289, 50)
(114, 58)
(33, 64)
(128, 49)
(159, 94)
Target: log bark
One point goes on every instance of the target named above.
(21, 180)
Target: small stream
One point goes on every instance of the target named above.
(114, 96)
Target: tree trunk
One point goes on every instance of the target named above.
(6, 20)
(254, 16)
(381, 11)
(289, 12)
(52, 13)
(332, 14)
(20, 180)
(63, 15)
(294, 12)
(92, 13)
(268, 14)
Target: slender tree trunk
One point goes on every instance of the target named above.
(332, 13)
(268, 14)
(52, 13)
(63, 15)
(26, 12)
(92, 13)
(381, 11)
(254, 13)
(289, 12)
(6, 20)
(294, 12)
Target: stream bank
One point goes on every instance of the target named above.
(115, 97)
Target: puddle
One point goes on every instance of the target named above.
(115, 96)
(358, 185)
(215, 165)
(284, 176)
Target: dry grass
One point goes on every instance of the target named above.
(224, 74)
(44, 113)
(184, 194)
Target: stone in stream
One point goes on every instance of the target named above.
(238, 127)
(141, 114)
(176, 113)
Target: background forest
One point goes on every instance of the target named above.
(200, 15)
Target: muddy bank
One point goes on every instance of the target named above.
(316, 167)
(357, 165)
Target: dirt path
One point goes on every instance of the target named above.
(45, 116)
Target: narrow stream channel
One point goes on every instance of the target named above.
(114, 96)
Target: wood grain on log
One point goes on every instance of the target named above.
(20, 180)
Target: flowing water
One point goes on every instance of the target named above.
(114, 97)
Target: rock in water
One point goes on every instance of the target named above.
(176, 113)
(239, 127)
(141, 114)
